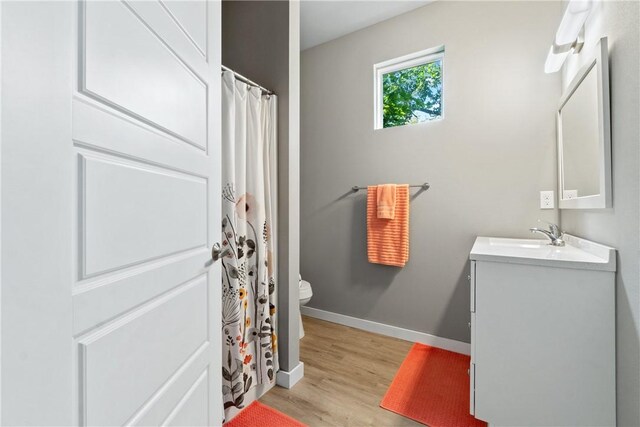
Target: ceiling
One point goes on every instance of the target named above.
(324, 20)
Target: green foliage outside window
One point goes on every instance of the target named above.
(412, 95)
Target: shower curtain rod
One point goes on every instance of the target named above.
(246, 80)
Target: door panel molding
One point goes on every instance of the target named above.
(173, 33)
(132, 288)
(197, 395)
(134, 356)
(99, 128)
(189, 34)
(161, 212)
(164, 401)
(101, 48)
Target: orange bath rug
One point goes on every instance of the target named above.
(432, 388)
(259, 415)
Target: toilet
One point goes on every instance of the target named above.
(305, 296)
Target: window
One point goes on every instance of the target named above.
(409, 89)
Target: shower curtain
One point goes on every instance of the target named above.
(249, 341)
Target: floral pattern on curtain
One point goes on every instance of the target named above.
(249, 347)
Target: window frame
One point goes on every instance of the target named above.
(403, 62)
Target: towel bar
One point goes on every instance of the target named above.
(424, 186)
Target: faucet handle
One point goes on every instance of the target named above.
(554, 228)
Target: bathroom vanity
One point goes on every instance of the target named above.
(542, 332)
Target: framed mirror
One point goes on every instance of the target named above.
(584, 137)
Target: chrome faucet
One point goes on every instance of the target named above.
(554, 234)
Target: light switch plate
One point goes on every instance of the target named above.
(547, 200)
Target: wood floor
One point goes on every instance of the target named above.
(346, 373)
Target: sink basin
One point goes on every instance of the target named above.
(518, 243)
(577, 253)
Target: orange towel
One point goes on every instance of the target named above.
(388, 240)
(386, 201)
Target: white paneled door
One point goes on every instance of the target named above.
(110, 186)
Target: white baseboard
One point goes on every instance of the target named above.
(288, 379)
(388, 330)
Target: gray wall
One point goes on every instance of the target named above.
(260, 40)
(486, 161)
(619, 226)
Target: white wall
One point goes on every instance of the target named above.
(619, 226)
(486, 161)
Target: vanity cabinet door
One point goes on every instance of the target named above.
(472, 386)
(472, 286)
(543, 345)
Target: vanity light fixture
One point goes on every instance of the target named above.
(570, 35)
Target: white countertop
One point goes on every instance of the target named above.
(577, 253)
